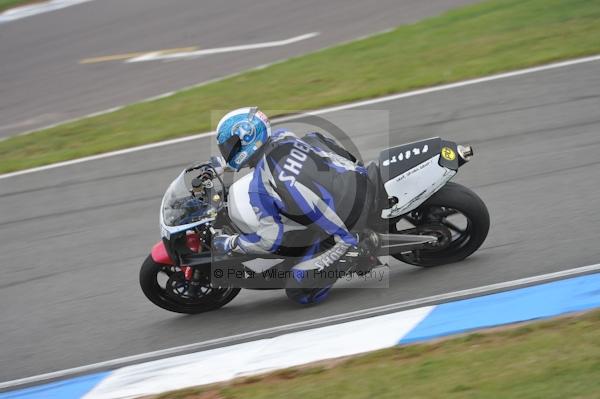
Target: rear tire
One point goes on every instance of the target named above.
(214, 298)
(454, 198)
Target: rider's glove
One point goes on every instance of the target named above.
(219, 164)
(224, 244)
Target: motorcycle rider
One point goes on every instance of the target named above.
(310, 195)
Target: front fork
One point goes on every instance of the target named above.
(187, 272)
(192, 277)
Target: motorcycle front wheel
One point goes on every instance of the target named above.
(166, 287)
(454, 214)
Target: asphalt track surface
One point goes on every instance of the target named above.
(42, 81)
(72, 238)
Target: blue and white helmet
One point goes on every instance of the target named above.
(241, 133)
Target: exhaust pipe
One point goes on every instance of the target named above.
(465, 152)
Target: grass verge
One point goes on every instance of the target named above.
(552, 359)
(6, 4)
(481, 39)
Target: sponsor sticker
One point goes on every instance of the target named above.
(240, 158)
(448, 154)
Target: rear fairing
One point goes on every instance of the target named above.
(414, 172)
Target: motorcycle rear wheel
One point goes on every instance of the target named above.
(175, 295)
(431, 218)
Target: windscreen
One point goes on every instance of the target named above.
(180, 207)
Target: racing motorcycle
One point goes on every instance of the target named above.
(423, 220)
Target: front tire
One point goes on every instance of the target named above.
(173, 295)
(432, 217)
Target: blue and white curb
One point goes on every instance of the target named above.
(344, 339)
(72, 388)
(536, 302)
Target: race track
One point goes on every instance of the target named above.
(72, 238)
(42, 81)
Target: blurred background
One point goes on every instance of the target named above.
(111, 75)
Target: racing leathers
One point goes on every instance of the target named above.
(311, 197)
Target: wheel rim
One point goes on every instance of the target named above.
(173, 286)
(437, 221)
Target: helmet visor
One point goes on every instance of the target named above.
(230, 147)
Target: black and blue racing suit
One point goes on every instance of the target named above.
(310, 196)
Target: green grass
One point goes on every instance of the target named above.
(477, 40)
(6, 4)
(553, 359)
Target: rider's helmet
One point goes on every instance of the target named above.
(241, 133)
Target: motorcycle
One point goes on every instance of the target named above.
(423, 220)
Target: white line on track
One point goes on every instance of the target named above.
(359, 314)
(158, 55)
(379, 100)
(27, 11)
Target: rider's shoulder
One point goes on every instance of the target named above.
(283, 135)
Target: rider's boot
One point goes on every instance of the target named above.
(366, 259)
